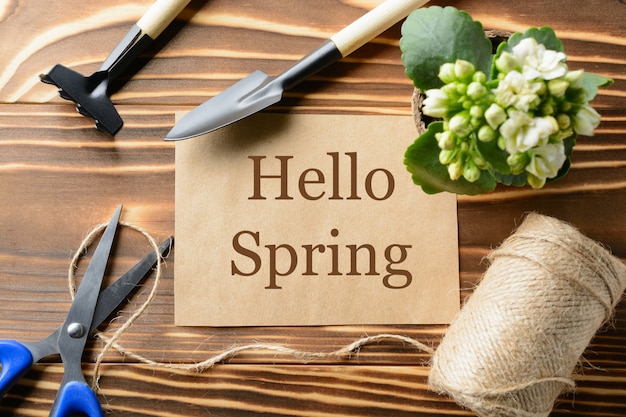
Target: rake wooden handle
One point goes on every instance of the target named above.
(373, 24)
(159, 16)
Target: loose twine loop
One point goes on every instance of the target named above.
(112, 341)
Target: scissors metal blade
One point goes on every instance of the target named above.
(110, 298)
(75, 329)
(84, 305)
(114, 294)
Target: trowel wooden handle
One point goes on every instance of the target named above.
(159, 16)
(373, 24)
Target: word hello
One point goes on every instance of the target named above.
(314, 184)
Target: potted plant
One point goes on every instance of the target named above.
(510, 115)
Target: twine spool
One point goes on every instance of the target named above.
(514, 346)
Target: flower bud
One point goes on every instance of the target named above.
(476, 90)
(507, 62)
(446, 73)
(518, 162)
(435, 103)
(547, 109)
(463, 70)
(479, 161)
(459, 124)
(446, 140)
(564, 121)
(479, 77)
(586, 120)
(557, 87)
(495, 116)
(476, 112)
(446, 156)
(563, 134)
(471, 171)
(486, 134)
(455, 170)
(575, 78)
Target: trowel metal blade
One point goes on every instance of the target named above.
(244, 98)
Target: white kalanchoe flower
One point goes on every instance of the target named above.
(516, 91)
(523, 132)
(539, 62)
(545, 162)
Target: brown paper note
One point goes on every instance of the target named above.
(310, 220)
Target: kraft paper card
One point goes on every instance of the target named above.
(310, 220)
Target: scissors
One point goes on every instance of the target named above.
(90, 308)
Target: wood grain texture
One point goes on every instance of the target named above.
(59, 177)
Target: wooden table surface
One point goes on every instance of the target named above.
(59, 177)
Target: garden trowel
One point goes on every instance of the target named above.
(90, 93)
(259, 90)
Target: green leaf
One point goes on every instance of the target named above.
(495, 156)
(544, 36)
(591, 83)
(422, 161)
(519, 180)
(433, 36)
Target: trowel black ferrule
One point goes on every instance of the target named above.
(312, 63)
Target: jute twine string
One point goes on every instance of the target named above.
(515, 344)
(112, 341)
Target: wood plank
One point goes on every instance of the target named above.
(59, 177)
(296, 390)
(216, 43)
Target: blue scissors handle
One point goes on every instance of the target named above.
(16, 359)
(76, 397)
